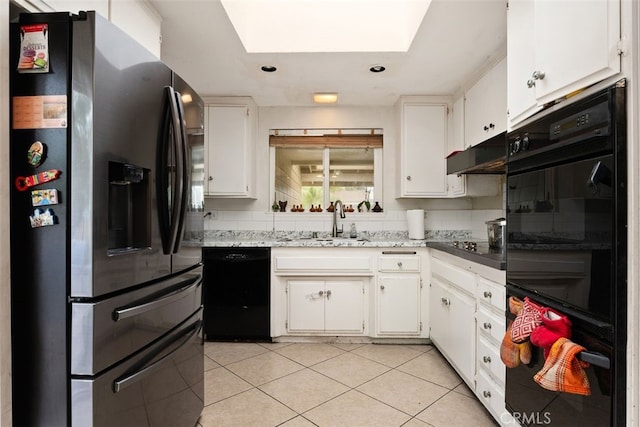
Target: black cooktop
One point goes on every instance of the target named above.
(474, 251)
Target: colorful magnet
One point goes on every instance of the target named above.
(34, 49)
(23, 183)
(44, 197)
(36, 154)
(42, 219)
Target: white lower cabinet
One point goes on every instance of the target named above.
(491, 372)
(491, 394)
(453, 326)
(346, 291)
(398, 294)
(398, 307)
(467, 306)
(325, 306)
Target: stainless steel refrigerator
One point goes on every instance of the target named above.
(106, 229)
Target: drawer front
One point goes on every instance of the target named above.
(489, 357)
(396, 263)
(491, 324)
(491, 293)
(490, 394)
(460, 277)
(320, 265)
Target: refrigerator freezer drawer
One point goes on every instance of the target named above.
(107, 331)
(162, 386)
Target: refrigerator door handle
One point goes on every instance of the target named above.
(186, 335)
(173, 201)
(184, 177)
(137, 308)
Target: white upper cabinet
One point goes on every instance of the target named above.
(485, 107)
(229, 169)
(423, 145)
(457, 183)
(140, 21)
(555, 48)
(136, 18)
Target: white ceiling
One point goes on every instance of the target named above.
(455, 42)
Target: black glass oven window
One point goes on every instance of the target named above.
(560, 233)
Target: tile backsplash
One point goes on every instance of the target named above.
(439, 224)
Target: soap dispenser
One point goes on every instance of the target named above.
(353, 234)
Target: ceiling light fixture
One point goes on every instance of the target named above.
(325, 98)
(377, 68)
(268, 68)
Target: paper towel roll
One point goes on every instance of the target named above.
(415, 223)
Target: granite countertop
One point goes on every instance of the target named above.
(297, 242)
(280, 239)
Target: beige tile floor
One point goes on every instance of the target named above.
(326, 385)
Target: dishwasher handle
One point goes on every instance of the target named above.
(237, 255)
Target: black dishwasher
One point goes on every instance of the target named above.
(236, 294)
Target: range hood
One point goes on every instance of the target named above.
(488, 157)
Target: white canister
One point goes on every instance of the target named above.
(415, 223)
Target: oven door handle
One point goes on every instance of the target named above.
(596, 359)
(599, 174)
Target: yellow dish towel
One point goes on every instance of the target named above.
(563, 371)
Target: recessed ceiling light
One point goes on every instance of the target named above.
(268, 68)
(325, 98)
(377, 68)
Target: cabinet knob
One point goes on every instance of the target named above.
(408, 177)
(321, 293)
(486, 128)
(486, 359)
(487, 294)
(210, 178)
(445, 301)
(486, 394)
(399, 264)
(382, 287)
(486, 325)
(328, 293)
(538, 75)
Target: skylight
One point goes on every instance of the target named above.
(270, 26)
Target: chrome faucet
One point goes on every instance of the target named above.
(338, 205)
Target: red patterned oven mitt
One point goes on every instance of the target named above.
(529, 318)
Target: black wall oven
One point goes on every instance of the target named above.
(566, 250)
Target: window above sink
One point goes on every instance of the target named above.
(315, 168)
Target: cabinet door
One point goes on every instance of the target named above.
(462, 331)
(227, 139)
(305, 302)
(423, 145)
(521, 100)
(439, 315)
(566, 53)
(398, 308)
(344, 306)
(485, 111)
(456, 183)
(576, 45)
(137, 19)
